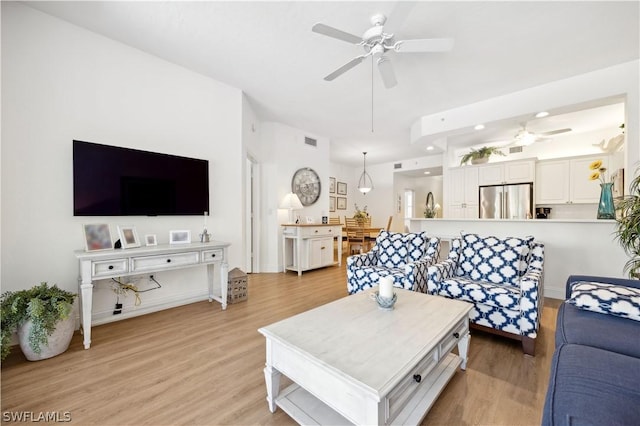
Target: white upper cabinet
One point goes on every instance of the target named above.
(463, 187)
(567, 181)
(507, 172)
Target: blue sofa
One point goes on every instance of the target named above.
(595, 370)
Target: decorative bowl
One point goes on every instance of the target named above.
(385, 303)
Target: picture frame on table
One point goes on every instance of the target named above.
(332, 185)
(97, 236)
(150, 240)
(128, 236)
(180, 237)
(342, 188)
(342, 203)
(332, 204)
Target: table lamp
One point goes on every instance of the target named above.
(291, 202)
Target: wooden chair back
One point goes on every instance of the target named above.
(334, 220)
(355, 234)
(389, 223)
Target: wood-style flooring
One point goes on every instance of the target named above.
(199, 365)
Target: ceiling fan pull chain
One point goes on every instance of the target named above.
(371, 93)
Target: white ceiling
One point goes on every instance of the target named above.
(267, 49)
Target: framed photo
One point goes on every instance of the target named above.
(332, 185)
(342, 203)
(150, 240)
(97, 237)
(128, 237)
(618, 183)
(342, 189)
(332, 204)
(179, 237)
(310, 220)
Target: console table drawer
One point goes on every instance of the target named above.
(209, 256)
(166, 261)
(452, 339)
(407, 387)
(316, 231)
(109, 268)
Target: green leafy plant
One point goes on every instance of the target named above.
(484, 152)
(41, 304)
(628, 227)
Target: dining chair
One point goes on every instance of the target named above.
(355, 234)
(389, 223)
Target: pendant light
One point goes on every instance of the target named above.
(365, 184)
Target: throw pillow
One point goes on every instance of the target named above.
(604, 298)
(492, 259)
(395, 249)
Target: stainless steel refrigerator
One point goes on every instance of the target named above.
(513, 201)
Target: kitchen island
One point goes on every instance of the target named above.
(572, 246)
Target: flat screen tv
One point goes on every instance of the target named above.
(116, 181)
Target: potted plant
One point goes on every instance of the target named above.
(628, 227)
(41, 316)
(480, 155)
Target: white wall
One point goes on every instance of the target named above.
(284, 151)
(60, 83)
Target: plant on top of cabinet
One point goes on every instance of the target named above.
(628, 227)
(480, 155)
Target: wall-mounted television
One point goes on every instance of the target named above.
(115, 181)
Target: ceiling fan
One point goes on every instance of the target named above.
(524, 137)
(377, 41)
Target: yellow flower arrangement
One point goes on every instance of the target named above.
(598, 171)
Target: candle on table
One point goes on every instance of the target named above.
(386, 287)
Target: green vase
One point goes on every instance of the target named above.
(606, 209)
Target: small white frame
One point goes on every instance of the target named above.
(180, 237)
(128, 236)
(150, 240)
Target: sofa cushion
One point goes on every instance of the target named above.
(492, 259)
(578, 326)
(590, 386)
(604, 298)
(369, 276)
(498, 295)
(396, 249)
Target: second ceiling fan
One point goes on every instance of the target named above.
(377, 41)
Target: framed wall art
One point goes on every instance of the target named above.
(180, 237)
(128, 237)
(342, 188)
(342, 203)
(332, 204)
(150, 240)
(97, 237)
(332, 185)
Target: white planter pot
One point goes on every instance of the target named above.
(482, 160)
(58, 341)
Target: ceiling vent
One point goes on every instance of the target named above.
(515, 149)
(310, 141)
(397, 166)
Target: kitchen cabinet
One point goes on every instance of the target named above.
(310, 246)
(507, 172)
(566, 181)
(463, 187)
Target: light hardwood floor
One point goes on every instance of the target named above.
(199, 365)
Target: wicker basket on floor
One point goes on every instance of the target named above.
(237, 290)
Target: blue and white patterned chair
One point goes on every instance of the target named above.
(405, 257)
(502, 277)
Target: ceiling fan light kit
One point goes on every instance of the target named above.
(376, 43)
(365, 183)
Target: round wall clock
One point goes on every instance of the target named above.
(306, 185)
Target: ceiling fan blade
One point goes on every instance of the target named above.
(336, 33)
(346, 67)
(555, 132)
(424, 45)
(398, 15)
(386, 72)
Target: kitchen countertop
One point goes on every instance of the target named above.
(519, 220)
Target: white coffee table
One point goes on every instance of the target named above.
(352, 362)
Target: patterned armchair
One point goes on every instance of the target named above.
(405, 257)
(503, 278)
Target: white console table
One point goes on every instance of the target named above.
(309, 246)
(144, 260)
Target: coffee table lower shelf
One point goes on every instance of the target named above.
(306, 409)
